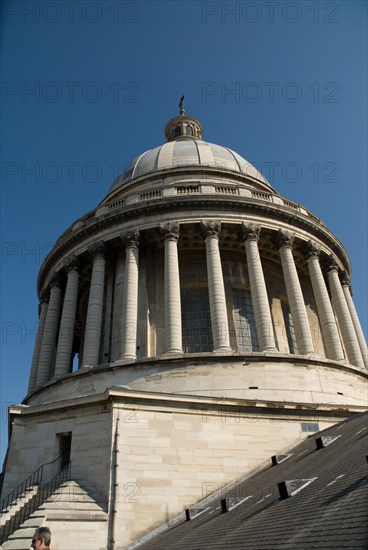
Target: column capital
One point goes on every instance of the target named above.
(74, 263)
(312, 249)
(345, 280)
(131, 238)
(249, 231)
(285, 238)
(210, 228)
(169, 230)
(332, 265)
(98, 249)
(44, 299)
(44, 296)
(57, 280)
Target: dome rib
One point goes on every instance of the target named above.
(186, 152)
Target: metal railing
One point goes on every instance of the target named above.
(34, 479)
(43, 493)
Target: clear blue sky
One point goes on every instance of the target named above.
(89, 85)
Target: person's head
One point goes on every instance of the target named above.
(41, 538)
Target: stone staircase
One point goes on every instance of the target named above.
(74, 516)
(17, 504)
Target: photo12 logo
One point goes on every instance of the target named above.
(70, 11)
(270, 12)
(269, 92)
(69, 92)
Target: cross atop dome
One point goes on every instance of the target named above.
(183, 126)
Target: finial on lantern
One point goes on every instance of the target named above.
(181, 106)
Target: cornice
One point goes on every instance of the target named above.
(169, 205)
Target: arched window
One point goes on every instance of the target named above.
(245, 324)
(189, 131)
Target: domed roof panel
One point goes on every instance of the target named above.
(146, 163)
(187, 152)
(225, 158)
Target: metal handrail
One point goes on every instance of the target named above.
(34, 503)
(34, 479)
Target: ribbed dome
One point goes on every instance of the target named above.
(186, 152)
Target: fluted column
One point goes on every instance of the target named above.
(295, 294)
(44, 302)
(92, 336)
(343, 316)
(173, 329)
(67, 323)
(45, 364)
(262, 313)
(326, 316)
(220, 328)
(130, 297)
(354, 317)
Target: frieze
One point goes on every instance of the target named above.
(239, 206)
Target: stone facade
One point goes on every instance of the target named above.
(190, 326)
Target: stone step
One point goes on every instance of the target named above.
(69, 504)
(23, 533)
(70, 497)
(18, 504)
(19, 544)
(78, 515)
(58, 505)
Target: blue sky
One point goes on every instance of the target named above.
(89, 85)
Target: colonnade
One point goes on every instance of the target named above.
(54, 340)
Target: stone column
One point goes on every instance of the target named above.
(130, 297)
(45, 364)
(92, 335)
(343, 316)
(173, 329)
(44, 301)
(354, 317)
(67, 323)
(326, 316)
(220, 328)
(249, 233)
(295, 294)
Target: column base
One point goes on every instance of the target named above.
(223, 350)
(128, 357)
(173, 352)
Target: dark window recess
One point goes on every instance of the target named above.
(289, 327)
(309, 427)
(245, 324)
(196, 320)
(65, 445)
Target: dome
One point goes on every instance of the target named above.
(186, 152)
(184, 147)
(195, 310)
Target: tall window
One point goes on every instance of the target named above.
(289, 328)
(196, 320)
(245, 325)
